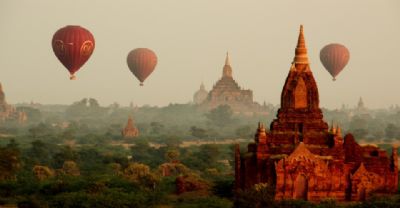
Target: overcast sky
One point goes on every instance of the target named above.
(190, 39)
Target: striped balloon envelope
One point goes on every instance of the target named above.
(73, 46)
(141, 62)
(334, 57)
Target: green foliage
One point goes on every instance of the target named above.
(156, 128)
(198, 132)
(39, 153)
(378, 202)
(102, 155)
(190, 201)
(64, 154)
(293, 204)
(220, 116)
(223, 187)
(205, 157)
(93, 160)
(261, 195)
(110, 198)
(9, 161)
(40, 131)
(34, 115)
(392, 131)
(246, 131)
(143, 153)
(172, 155)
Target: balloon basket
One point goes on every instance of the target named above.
(72, 77)
(141, 84)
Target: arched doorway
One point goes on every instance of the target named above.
(301, 187)
(362, 194)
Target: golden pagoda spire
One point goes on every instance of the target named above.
(301, 56)
(333, 129)
(227, 61)
(338, 131)
(227, 71)
(261, 126)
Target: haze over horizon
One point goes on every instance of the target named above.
(190, 39)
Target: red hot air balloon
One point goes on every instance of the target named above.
(73, 46)
(141, 62)
(334, 57)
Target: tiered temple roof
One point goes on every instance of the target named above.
(227, 91)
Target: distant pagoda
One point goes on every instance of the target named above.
(201, 95)
(226, 91)
(361, 108)
(130, 131)
(9, 112)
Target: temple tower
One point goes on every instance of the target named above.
(130, 130)
(227, 71)
(299, 118)
(305, 160)
(227, 92)
(9, 112)
(201, 95)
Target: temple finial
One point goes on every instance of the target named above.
(333, 129)
(338, 131)
(301, 56)
(261, 127)
(301, 42)
(227, 61)
(202, 87)
(227, 71)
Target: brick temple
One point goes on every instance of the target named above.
(305, 159)
(130, 131)
(9, 112)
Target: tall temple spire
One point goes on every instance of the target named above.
(338, 131)
(227, 61)
(227, 71)
(2, 95)
(301, 56)
(202, 87)
(360, 103)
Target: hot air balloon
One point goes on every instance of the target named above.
(334, 57)
(73, 46)
(141, 62)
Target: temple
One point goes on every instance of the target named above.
(305, 159)
(9, 112)
(361, 108)
(130, 131)
(227, 92)
(201, 95)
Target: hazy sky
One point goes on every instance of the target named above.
(191, 39)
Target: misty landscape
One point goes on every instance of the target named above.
(211, 104)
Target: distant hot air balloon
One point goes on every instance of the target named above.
(141, 62)
(73, 46)
(334, 57)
